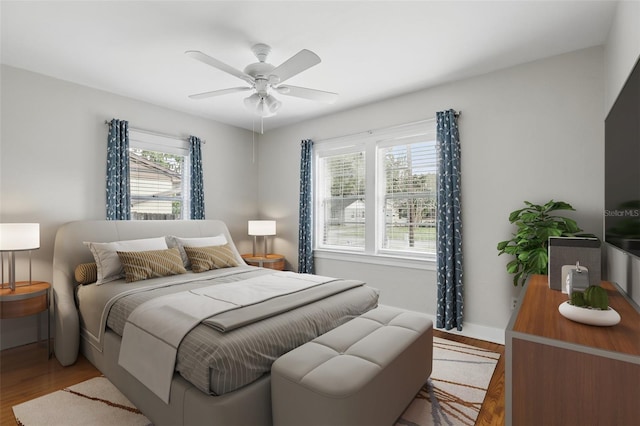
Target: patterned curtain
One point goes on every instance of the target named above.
(197, 186)
(118, 196)
(449, 232)
(305, 247)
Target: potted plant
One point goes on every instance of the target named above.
(590, 306)
(536, 223)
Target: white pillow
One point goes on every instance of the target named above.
(107, 260)
(173, 241)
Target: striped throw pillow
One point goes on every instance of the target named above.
(141, 265)
(86, 273)
(213, 257)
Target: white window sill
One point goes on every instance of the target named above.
(387, 260)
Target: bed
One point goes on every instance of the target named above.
(221, 371)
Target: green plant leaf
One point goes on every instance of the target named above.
(515, 215)
(558, 205)
(516, 278)
(538, 260)
(513, 266)
(571, 226)
(529, 217)
(550, 232)
(534, 225)
(513, 250)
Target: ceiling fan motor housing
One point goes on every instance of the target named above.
(259, 69)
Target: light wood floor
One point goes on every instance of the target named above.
(26, 373)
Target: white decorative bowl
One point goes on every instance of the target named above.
(589, 316)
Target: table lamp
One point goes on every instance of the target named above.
(261, 228)
(17, 237)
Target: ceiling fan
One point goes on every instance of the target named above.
(264, 79)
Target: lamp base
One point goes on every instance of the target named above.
(255, 243)
(12, 272)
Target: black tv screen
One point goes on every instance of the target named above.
(622, 168)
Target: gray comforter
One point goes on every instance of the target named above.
(215, 361)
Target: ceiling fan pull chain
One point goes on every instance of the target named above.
(253, 138)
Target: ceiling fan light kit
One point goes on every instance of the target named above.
(263, 106)
(264, 78)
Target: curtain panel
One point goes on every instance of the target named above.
(449, 228)
(197, 185)
(118, 195)
(305, 230)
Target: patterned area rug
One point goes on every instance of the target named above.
(454, 393)
(452, 396)
(94, 402)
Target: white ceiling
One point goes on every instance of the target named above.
(370, 50)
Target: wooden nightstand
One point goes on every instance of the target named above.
(271, 261)
(27, 300)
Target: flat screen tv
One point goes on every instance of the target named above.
(622, 168)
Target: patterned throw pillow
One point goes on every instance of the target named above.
(86, 273)
(179, 242)
(141, 265)
(207, 258)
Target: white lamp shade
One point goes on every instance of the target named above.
(19, 236)
(262, 227)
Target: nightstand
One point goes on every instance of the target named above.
(271, 261)
(27, 300)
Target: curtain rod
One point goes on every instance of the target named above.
(372, 131)
(151, 132)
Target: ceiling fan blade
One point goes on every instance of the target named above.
(199, 56)
(219, 92)
(299, 62)
(312, 94)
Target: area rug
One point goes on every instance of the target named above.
(94, 402)
(452, 396)
(454, 393)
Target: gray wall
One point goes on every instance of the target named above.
(533, 132)
(53, 162)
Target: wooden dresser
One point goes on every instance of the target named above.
(560, 372)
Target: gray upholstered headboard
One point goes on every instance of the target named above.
(69, 252)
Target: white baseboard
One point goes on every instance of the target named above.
(481, 332)
(475, 331)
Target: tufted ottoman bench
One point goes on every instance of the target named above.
(365, 372)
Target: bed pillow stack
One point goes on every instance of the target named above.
(147, 258)
(109, 266)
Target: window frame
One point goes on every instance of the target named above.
(149, 141)
(371, 142)
(381, 193)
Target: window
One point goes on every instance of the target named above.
(376, 194)
(342, 177)
(158, 174)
